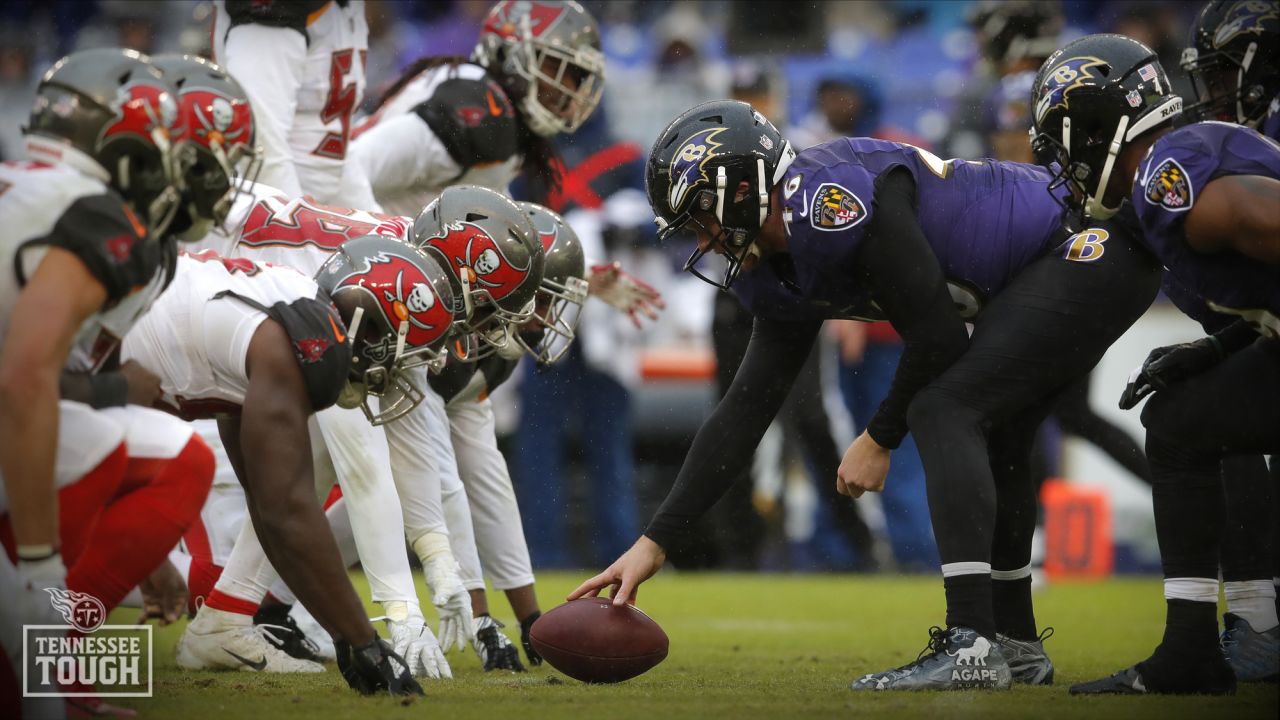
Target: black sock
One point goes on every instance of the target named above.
(1011, 601)
(1190, 631)
(969, 603)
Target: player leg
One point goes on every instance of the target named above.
(1053, 322)
(1250, 638)
(210, 539)
(1190, 427)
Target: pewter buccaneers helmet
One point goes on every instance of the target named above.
(494, 262)
(562, 292)
(548, 56)
(396, 303)
(1091, 99)
(117, 108)
(219, 136)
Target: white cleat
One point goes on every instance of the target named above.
(218, 640)
(316, 634)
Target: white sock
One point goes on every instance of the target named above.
(1253, 600)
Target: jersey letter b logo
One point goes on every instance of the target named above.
(1087, 246)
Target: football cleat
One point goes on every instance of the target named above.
(310, 627)
(1126, 682)
(281, 630)
(1028, 663)
(1210, 677)
(218, 640)
(494, 649)
(954, 659)
(1254, 656)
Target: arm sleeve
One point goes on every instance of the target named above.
(726, 442)
(269, 63)
(899, 266)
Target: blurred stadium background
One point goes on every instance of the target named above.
(924, 72)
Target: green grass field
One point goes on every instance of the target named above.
(746, 646)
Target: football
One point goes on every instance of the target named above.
(590, 640)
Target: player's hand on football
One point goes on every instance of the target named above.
(625, 292)
(375, 667)
(413, 641)
(144, 385)
(1166, 366)
(452, 601)
(626, 573)
(864, 467)
(164, 595)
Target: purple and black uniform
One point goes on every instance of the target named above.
(1271, 122)
(1168, 182)
(876, 230)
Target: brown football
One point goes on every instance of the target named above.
(590, 640)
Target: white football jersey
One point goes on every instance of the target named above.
(197, 342)
(305, 79)
(265, 225)
(43, 205)
(397, 163)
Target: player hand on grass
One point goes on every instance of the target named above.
(164, 595)
(864, 467)
(626, 573)
(375, 667)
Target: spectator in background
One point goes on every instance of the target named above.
(17, 88)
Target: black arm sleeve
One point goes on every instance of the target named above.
(899, 266)
(101, 232)
(726, 442)
(473, 119)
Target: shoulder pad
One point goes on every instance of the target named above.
(473, 119)
(111, 242)
(273, 13)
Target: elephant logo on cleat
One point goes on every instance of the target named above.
(973, 655)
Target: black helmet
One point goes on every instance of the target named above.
(396, 303)
(116, 108)
(1012, 30)
(697, 164)
(1091, 99)
(494, 262)
(219, 135)
(563, 289)
(1234, 60)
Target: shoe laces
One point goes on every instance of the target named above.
(289, 631)
(939, 641)
(263, 631)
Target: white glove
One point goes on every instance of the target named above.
(625, 292)
(452, 601)
(413, 641)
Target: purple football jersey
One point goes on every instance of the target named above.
(1271, 121)
(985, 221)
(1167, 184)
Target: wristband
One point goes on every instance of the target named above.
(36, 553)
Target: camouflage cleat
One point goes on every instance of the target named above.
(1028, 663)
(1254, 656)
(955, 659)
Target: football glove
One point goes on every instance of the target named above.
(626, 293)
(375, 667)
(452, 601)
(413, 641)
(494, 649)
(1171, 364)
(526, 626)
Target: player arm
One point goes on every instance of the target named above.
(899, 266)
(58, 297)
(1240, 213)
(273, 453)
(397, 153)
(269, 63)
(726, 442)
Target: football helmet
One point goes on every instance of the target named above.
(548, 57)
(1234, 60)
(219, 136)
(113, 107)
(396, 303)
(1089, 100)
(493, 260)
(698, 163)
(562, 292)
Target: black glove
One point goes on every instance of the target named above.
(374, 667)
(525, 626)
(1169, 365)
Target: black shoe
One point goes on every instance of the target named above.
(1210, 676)
(283, 632)
(526, 626)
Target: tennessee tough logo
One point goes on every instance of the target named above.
(472, 254)
(1067, 76)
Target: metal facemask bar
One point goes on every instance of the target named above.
(398, 396)
(559, 323)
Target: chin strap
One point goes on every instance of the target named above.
(1094, 206)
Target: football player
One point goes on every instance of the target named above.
(1207, 196)
(1234, 63)
(261, 348)
(860, 229)
(84, 255)
(302, 63)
